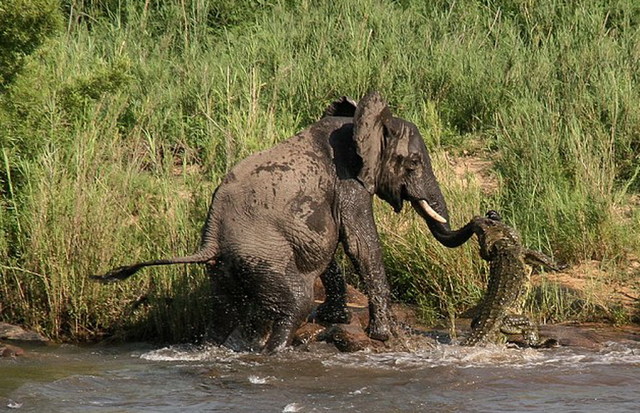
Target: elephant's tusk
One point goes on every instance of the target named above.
(431, 212)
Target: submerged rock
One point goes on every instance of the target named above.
(7, 350)
(345, 337)
(10, 332)
(351, 337)
(308, 333)
(348, 337)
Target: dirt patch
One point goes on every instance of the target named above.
(355, 298)
(627, 208)
(587, 279)
(481, 168)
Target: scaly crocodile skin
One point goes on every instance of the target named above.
(509, 281)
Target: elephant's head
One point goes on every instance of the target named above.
(397, 167)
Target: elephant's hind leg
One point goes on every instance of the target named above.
(334, 308)
(227, 304)
(288, 313)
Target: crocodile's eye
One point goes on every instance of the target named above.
(493, 215)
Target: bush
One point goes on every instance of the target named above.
(24, 25)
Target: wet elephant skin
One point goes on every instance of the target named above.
(277, 218)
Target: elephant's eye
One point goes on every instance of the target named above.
(413, 163)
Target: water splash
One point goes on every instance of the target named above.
(188, 352)
(437, 356)
(443, 378)
(292, 407)
(253, 379)
(491, 356)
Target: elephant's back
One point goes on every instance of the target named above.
(292, 169)
(282, 198)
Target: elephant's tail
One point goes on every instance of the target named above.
(204, 255)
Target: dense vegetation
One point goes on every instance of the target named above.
(120, 117)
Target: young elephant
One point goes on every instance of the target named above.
(276, 220)
(501, 309)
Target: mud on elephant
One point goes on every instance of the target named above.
(276, 220)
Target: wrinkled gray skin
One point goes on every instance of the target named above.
(276, 220)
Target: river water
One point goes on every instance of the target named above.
(447, 378)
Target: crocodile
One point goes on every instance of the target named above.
(501, 310)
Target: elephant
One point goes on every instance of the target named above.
(277, 218)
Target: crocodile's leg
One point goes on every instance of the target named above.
(533, 257)
(520, 324)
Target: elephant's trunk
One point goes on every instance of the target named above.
(433, 209)
(441, 230)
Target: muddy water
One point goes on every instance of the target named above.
(448, 378)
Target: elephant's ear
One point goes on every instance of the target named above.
(345, 106)
(369, 123)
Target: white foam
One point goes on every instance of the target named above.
(359, 391)
(292, 407)
(260, 380)
(490, 356)
(189, 353)
(440, 355)
(610, 354)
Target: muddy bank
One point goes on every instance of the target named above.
(352, 337)
(413, 335)
(590, 335)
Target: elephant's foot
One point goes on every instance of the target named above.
(382, 322)
(333, 313)
(248, 337)
(379, 331)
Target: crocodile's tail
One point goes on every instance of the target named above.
(533, 257)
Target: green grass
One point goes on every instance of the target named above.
(118, 127)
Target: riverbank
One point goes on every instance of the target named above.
(119, 119)
(415, 335)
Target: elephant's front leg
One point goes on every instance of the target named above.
(359, 236)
